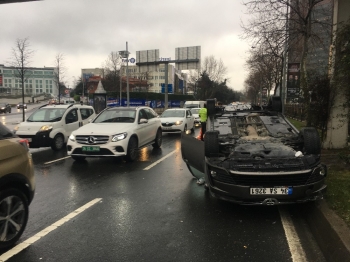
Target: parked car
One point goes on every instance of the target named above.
(256, 157)
(176, 120)
(117, 131)
(197, 119)
(17, 186)
(21, 105)
(5, 107)
(51, 125)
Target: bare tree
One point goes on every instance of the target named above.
(21, 55)
(112, 69)
(215, 69)
(59, 73)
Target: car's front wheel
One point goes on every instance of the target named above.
(57, 142)
(132, 152)
(158, 141)
(185, 129)
(13, 216)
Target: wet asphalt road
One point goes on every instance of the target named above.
(158, 214)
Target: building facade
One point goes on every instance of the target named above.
(37, 81)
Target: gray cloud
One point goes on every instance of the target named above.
(86, 31)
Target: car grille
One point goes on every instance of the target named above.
(167, 124)
(102, 152)
(264, 166)
(92, 140)
(266, 180)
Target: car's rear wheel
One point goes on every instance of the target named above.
(312, 141)
(158, 141)
(132, 152)
(211, 143)
(78, 158)
(14, 216)
(57, 142)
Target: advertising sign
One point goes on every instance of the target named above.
(170, 88)
(293, 84)
(187, 53)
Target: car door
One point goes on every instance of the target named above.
(192, 151)
(71, 122)
(143, 128)
(153, 122)
(189, 119)
(86, 115)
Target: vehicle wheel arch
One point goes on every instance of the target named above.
(16, 181)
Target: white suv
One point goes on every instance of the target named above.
(51, 125)
(117, 131)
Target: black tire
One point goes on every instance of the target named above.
(132, 152)
(78, 158)
(312, 141)
(159, 138)
(57, 142)
(192, 130)
(14, 223)
(185, 129)
(211, 143)
(211, 107)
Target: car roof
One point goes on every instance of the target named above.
(65, 106)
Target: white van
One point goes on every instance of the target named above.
(51, 125)
(194, 104)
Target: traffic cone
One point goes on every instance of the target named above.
(200, 134)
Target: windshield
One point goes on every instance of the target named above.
(173, 113)
(116, 116)
(2, 105)
(47, 115)
(195, 110)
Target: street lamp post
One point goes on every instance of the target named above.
(125, 54)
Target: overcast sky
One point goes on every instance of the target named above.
(86, 31)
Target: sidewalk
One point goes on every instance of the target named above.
(330, 231)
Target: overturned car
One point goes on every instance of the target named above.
(256, 157)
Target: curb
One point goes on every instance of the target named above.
(330, 231)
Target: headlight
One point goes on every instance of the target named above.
(45, 128)
(321, 170)
(119, 137)
(177, 123)
(72, 137)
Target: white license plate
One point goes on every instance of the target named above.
(166, 128)
(29, 139)
(271, 190)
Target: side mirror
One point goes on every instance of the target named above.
(143, 121)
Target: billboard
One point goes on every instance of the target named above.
(190, 53)
(170, 88)
(293, 84)
(147, 56)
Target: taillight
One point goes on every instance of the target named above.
(25, 143)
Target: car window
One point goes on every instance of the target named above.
(85, 112)
(72, 116)
(116, 116)
(142, 114)
(47, 115)
(149, 113)
(195, 110)
(173, 113)
(5, 132)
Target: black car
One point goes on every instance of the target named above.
(21, 105)
(5, 108)
(256, 157)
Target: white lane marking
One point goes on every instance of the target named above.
(18, 248)
(160, 160)
(295, 247)
(53, 161)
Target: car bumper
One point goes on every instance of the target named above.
(241, 194)
(110, 149)
(40, 139)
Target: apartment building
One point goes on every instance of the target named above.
(37, 81)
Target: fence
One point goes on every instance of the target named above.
(296, 111)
